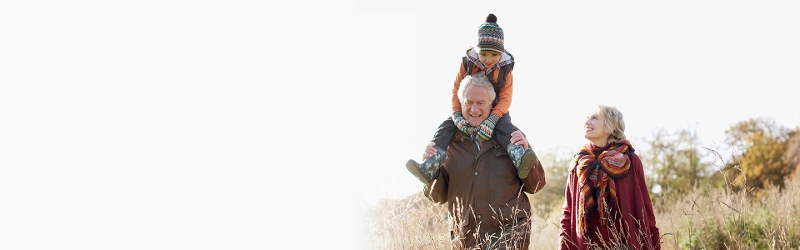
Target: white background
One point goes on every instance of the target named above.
(248, 125)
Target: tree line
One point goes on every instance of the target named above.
(756, 153)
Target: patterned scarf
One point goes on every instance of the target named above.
(596, 175)
(481, 133)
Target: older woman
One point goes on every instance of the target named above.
(607, 202)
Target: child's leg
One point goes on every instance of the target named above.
(523, 158)
(503, 130)
(444, 134)
(429, 168)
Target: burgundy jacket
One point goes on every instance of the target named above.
(485, 182)
(634, 205)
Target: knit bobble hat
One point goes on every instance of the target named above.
(490, 35)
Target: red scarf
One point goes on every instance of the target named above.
(596, 175)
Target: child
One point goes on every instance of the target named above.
(489, 58)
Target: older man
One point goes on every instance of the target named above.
(479, 182)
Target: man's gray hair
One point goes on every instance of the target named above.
(478, 80)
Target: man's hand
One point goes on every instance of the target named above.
(430, 150)
(517, 138)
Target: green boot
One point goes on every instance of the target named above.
(429, 169)
(523, 159)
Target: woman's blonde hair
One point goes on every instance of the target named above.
(614, 122)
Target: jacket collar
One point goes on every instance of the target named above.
(505, 59)
(491, 143)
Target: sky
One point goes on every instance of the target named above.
(166, 124)
(212, 124)
(700, 65)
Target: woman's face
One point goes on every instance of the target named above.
(595, 129)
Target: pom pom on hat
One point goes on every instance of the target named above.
(491, 18)
(490, 35)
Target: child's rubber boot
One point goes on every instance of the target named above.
(429, 169)
(523, 159)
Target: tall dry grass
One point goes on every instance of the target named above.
(704, 218)
(417, 223)
(720, 218)
(410, 223)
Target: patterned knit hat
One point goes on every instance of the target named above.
(490, 35)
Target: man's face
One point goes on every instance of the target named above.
(476, 105)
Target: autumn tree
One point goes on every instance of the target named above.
(675, 160)
(556, 166)
(763, 146)
(792, 157)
